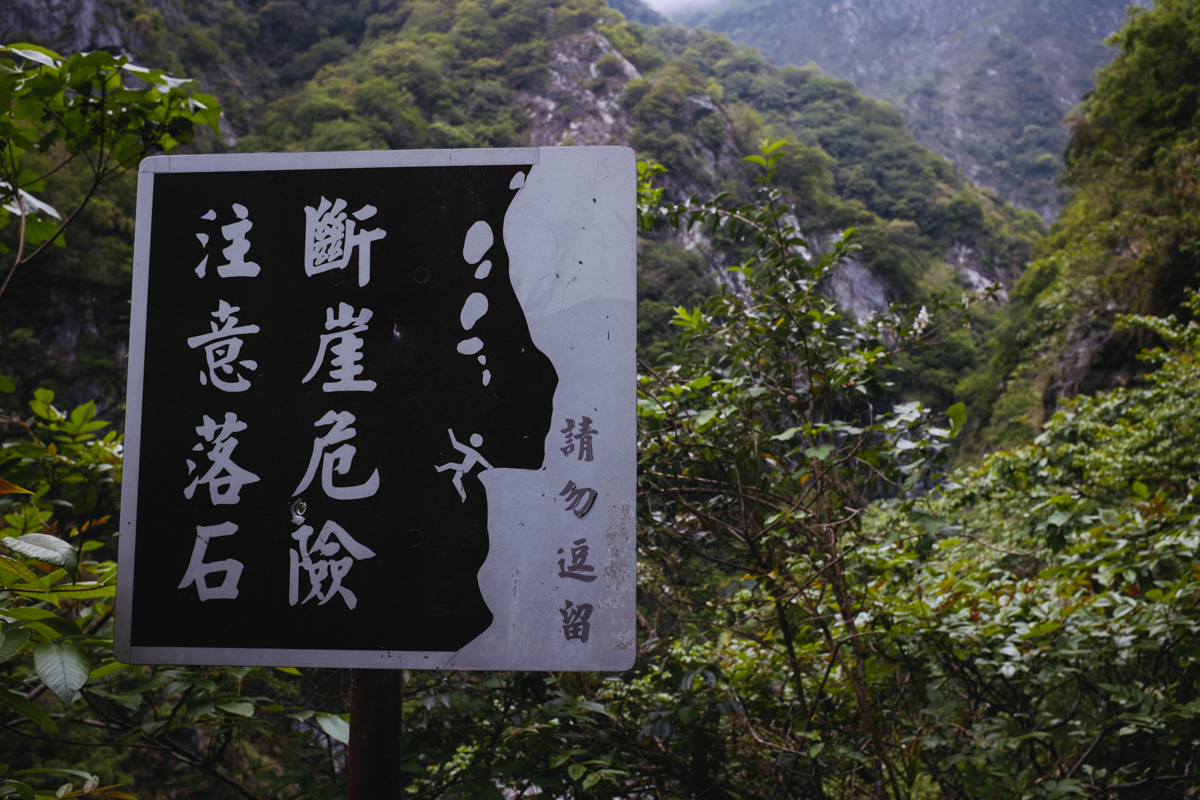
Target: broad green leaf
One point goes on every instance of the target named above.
(820, 452)
(958, 418)
(11, 642)
(53, 627)
(83, 413)
(588, 705)
(27, 614)
(335, 727)
(576, 771)
(62, 667)
(26, 708)
(15, 567)
(73, 773)
(36, 53)
(788, 434)
(1059, 517)
(43, 547)
(927, 522)
(1141, 490)
(23, 790)
(240, 708)
(108, 669)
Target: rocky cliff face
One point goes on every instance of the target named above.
(986, 84)
(68, 25)
(581, 103)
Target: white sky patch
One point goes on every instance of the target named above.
(668, 7)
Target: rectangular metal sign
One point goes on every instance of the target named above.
(381, 411)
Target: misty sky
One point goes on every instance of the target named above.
(671, 6)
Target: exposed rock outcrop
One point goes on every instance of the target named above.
(68, 26)
(581, 103)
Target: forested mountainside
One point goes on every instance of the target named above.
(987, 84)
(1124, 243)
(332, 75)
(823, 610)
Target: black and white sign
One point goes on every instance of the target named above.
(381, 411)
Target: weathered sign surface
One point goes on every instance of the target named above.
(381, 411)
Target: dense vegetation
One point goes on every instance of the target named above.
(824, 611)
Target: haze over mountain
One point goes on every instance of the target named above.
(987, 84)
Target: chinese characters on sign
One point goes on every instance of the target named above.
(579, 500)
(222, 346)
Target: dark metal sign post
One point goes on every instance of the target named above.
(376, 731)
(382, 404)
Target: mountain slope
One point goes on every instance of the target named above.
(986, 84)
(331, 75)
(1126, 241)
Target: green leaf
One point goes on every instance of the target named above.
(788, 434)
(1059, 518)
(239, 708)
(576, 771)
(89, 590)
(35, 53)
(819, 453)
(335, 727)
(107, 669)
(7, 384)
(23, 790)
(927, 522)
(53, 626)
(11, 642)
(83, 413)
(958, 418)
(26, 708)
(63, 667)
(43, 547)
(1141, 490)
(17, 568)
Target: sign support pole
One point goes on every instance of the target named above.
(376, 725)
